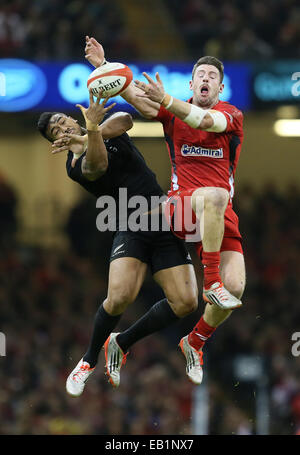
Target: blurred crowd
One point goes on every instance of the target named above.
(48, 299)
(235, 29)
(230, 30)
(45, 30)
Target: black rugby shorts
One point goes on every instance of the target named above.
(160, 250)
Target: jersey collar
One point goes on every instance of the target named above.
(191, 99)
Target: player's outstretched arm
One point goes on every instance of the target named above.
(94, 53)
(114, 126)
(117, 124)
(194, 116)
(95, 162)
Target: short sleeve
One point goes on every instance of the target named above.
(75, 173)
(233, 116)
(163, 116)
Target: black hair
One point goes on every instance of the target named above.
(43, 123)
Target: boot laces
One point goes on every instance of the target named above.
(81, 373)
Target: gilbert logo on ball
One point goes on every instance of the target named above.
(112, 79)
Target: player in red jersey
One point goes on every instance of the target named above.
(204, 137)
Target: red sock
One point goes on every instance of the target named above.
(211, 264)
(200, 333)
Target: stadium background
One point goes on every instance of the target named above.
(53, 261)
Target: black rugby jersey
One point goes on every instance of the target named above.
(126, 169)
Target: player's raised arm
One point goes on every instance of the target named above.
(194, 116)
(116, 124)
(94, 53)
(95, 162)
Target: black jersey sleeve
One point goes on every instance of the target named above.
(122, 142)
(75, 173)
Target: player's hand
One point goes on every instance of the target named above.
(94, 52)
(94, 114)
(153, 90)
(67, 140)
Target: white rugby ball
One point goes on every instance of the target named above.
(111, 78)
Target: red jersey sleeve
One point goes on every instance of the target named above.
(164, 116)
(233, 116)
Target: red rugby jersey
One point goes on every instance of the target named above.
(200, 158)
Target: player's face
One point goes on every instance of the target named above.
(60, 124)
(206, 85)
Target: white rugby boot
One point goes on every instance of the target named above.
(76, 380)
(219, 295)
(114, 359)
(194, 361)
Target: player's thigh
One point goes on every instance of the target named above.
(233, 272)
(179, 284)
(126, 276)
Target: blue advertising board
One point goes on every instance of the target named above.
(58, 86)
(276, 83)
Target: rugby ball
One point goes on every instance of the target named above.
(111, 78)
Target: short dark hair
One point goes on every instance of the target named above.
(208, 60)
(43, 123)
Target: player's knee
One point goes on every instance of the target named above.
(216, 199)
(186, 305)
(118, 300)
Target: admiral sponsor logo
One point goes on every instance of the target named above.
(191, 150)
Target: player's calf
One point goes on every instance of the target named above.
(226, 295)
(235, 287)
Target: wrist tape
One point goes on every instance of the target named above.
(195, 117)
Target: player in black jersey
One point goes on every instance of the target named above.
(102, 161)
